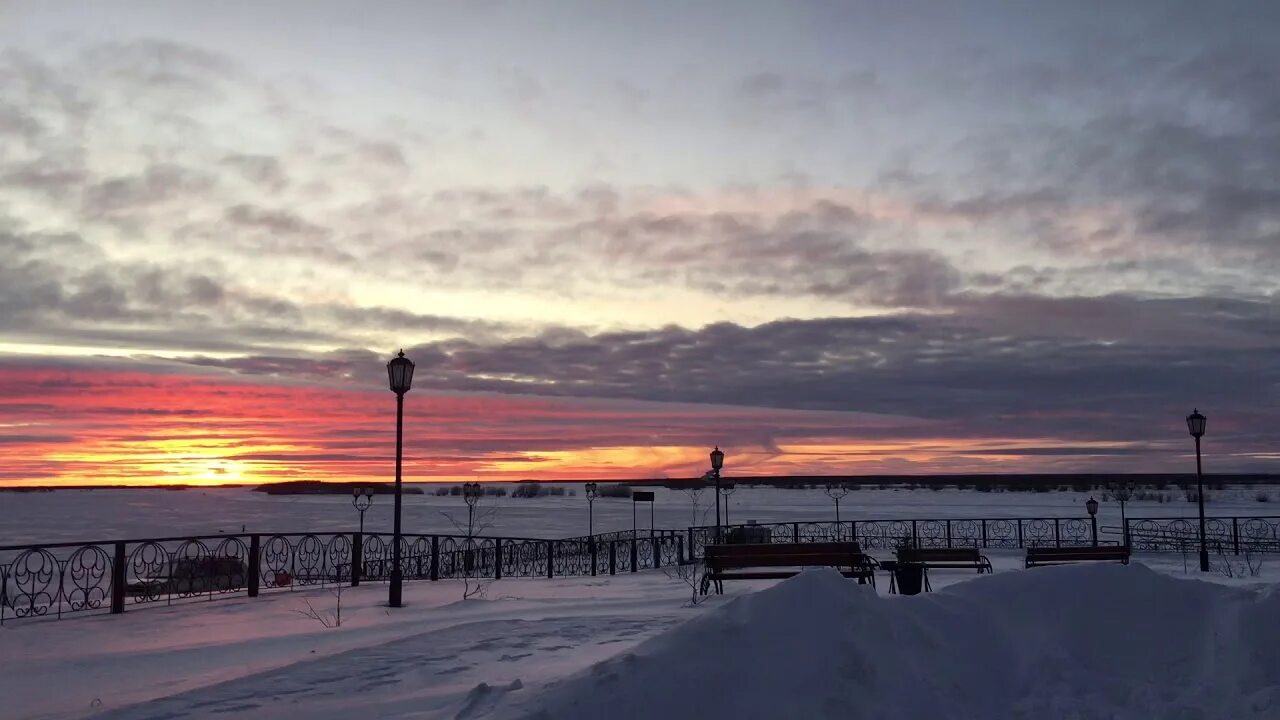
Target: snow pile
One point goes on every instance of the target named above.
(1079, 642)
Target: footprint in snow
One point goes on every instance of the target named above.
(483, 698)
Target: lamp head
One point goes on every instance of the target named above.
(1196, 423)
(400, 374)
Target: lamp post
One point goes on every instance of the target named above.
(1195, 424)
(1092, 506)
(362, 499)
(727, 487)
(400, 376)
(717, 462)
(591, 490)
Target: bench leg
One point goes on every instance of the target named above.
(705, 585)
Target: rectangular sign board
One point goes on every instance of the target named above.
(640, 496)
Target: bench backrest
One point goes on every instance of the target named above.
(1102, 552)
(784, 554)
(908, 554)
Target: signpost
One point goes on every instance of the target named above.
(640, 496)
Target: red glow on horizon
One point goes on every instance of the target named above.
(133, 428)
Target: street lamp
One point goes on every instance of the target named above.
(717, 462)
(1195, 424)
(400, 377)
(836, 491)
(1092, 506)
(362, 499)
(591, 491)
(727, 487)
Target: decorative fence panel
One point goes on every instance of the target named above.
(1223, 535)
(1012, 533)
(75, 578)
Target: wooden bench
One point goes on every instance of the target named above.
(1038, 556)
(946, 558)
(733, 562)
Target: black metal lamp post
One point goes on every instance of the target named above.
(1195, 424)
(591, 490)
(400, 376)
(717, 462)
(362, 499)
(1092, 506)
(727, 487)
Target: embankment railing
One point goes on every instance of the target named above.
(58, 579)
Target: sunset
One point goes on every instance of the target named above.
(595, 360)
(835, 260)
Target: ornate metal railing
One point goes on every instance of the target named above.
(39, 581)
(1012, 533)
(627, 534)
(1223, 535)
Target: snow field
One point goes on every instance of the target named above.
(1083, 642)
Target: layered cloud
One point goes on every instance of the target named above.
(1042, 251)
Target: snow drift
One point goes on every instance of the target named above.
(1079, 642)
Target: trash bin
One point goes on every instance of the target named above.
(909, 577)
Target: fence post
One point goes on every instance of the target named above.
(551, 559)
(915, 536)
(795, 532)
(634, 555)
(680, 550)
(1235, 535)
(613, 557)
(1020, 541)
(255, 564)
(357, 555)
(1125, 530)
(497, 558)
(117, 581)
(1057, 538)
(984, 532)
(691, 540)
(657, 552)
(435, 557)
(948, 534)
(592, 541)
(853, 530)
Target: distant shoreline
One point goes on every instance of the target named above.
(1052, 480)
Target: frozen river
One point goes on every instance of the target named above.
(109, 514)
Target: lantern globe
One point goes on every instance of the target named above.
(1196, 423)
(400, 374)
(717, 458)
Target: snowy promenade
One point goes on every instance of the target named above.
(1099, 642)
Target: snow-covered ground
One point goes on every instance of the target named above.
(71, 515)
(1075, 642)
(1049, 643)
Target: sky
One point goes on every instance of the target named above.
(830, 237)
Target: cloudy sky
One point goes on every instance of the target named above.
(831, 237)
